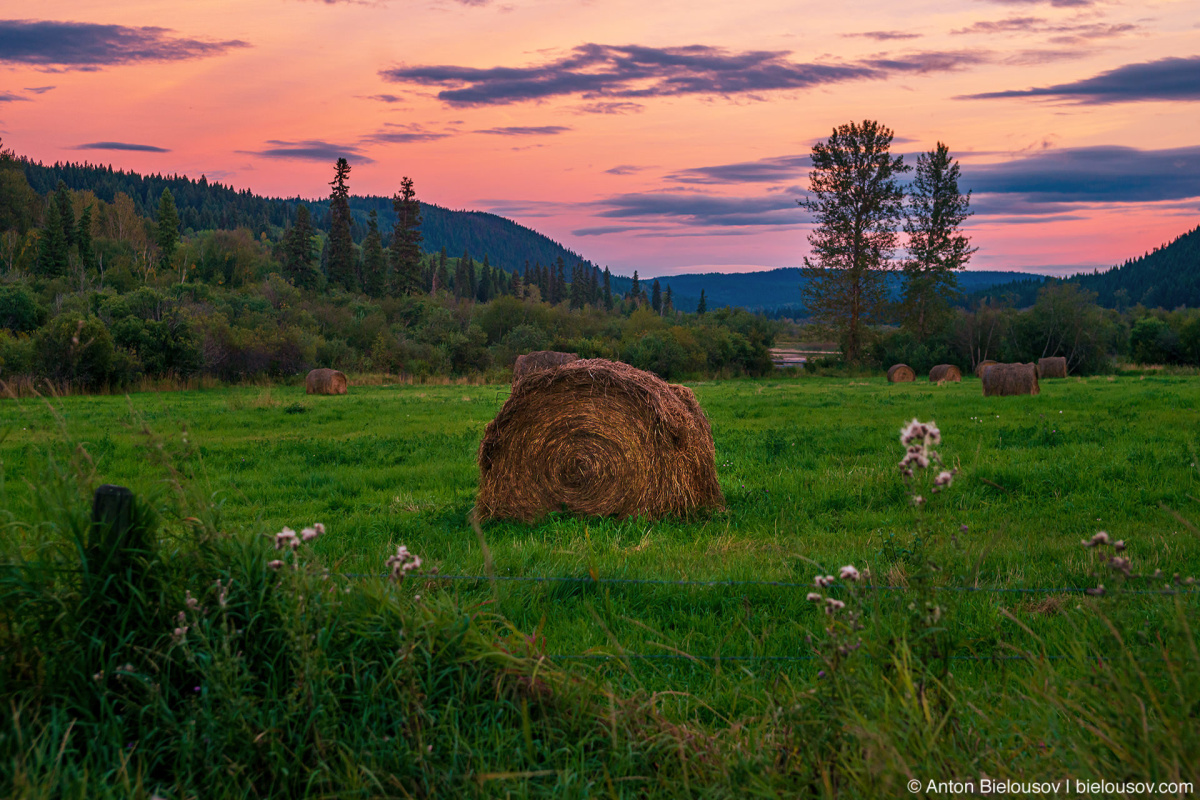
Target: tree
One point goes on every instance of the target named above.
(66, 212)
(634, 290)
(702, 306)
(857, 202)
(668, 300)
(656, 297)
(53, 257)
(406, 240)
(167, 234)
(298, 251)
(608, 298)
(340, 262)
(374, 261)
(83, 238)
(937, 249)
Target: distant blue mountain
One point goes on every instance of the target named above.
(778, 290)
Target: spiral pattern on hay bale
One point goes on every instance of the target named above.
(597, 438)
(1053, 367)
(538, 360)
(325, 381)
(945, 372)
(1008, 379)
(901, 373)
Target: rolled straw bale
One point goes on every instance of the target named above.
(540, 359)
(945, 372)
(901, 373)
(600, 438)
(325, 381)
(982, 366)
(1053, 367)
(1006, 379)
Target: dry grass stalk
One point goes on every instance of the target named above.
(325, 381)
(1008, 379)
(599, 438)
(945, 372)
(1053, 367)
(539, 360)
(901, 373)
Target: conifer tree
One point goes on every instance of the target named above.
(66, 213)
(608, 297)
(374, 260)
(656, 297)
(702, 306)
(560, 281)
(167, 233)
(52, 247)
(857, 201)
(514, 285)
(635, 289)
(442, 274)
(483, 291)
(936, 247)
(298, 251)
(83, 238)
(406, 240)
(668, 303)
(340, 261)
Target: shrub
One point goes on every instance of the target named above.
(19, 309)
(76, 349)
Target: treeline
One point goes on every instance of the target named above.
(96, 293)
(204, 205)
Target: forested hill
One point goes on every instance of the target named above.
(777, 291)
(1167, 277)
(209, 206)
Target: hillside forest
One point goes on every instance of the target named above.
(108, 278)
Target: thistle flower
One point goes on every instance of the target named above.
(814, 597)
(191, 602)
(308, 534)
(402, 563)
(319, 528)
(286, 538)
(274, 565)
(1119, 545)
(918, 500)
(848, 573)
(1097, 592)
(180, 634)
(944, 478)
(833, 605)
(823, 581)
(1098, 539)
(1119, 564)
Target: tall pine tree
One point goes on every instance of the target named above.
(340, 262)
(608, 296)
(375, 263)
(83, 238)
(857, 202)
(53, 259)
(406, 240)
(656, 297)
(167, 232)
(66, 213)
(937, 248)
(298, 251)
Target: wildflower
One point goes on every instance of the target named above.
(180, 634)
(1100, 538)
(822, 581)
(274, 565)
(814, 597)
(918, 500)
(963, 528)
(944, 478)
(222, 594)
(99, 676)
(1119, 545)
(286, 538)
(319, 528)
(833, 605)
(1119, 564)
(191, 602)
(1097, 592)
(308, 534)
(848, 573)
(403, 562)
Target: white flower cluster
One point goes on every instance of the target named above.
(918, 438)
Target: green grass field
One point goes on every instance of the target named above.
(809, 471)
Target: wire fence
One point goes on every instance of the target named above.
(587, 579)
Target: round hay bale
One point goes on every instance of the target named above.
(945, 372)
(325, 381)
(539, 360)
(901, 373)
(599, 438)
(1053, 367)
(982, 366)
(1007, 379)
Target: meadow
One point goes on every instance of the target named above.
(971, 645)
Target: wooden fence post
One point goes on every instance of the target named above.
(112, 516)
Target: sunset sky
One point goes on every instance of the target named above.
(661, 136)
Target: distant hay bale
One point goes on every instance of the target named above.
(538, 360)
(945, 372)
(901, 373)
(1007, 379)
(1053, 367)
(599, 438)
(982, 366)
(325, 381)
